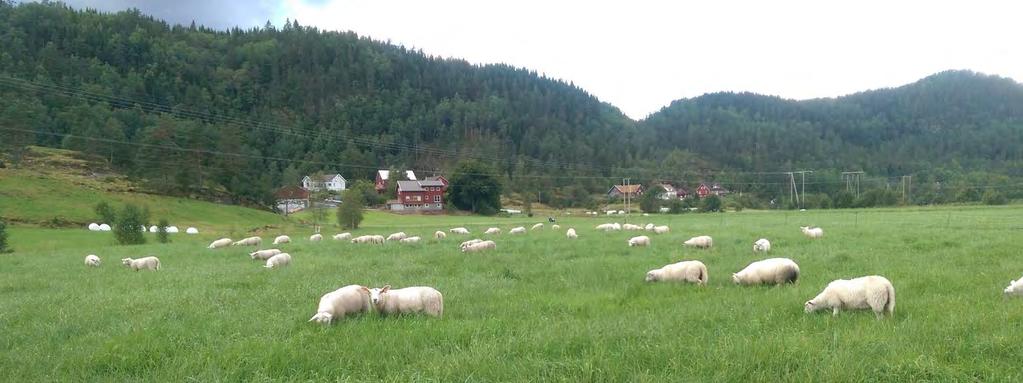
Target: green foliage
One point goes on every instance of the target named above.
(161, 231)
(650, 201)
(994, 197)
(368, 192)
(349, 213)
(128, 225)
(527, 206)
(473, 187)
(844, 200)
(710, 203)
(105, 213)
(877, 198)
(3, 237)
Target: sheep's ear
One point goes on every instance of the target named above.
(385, 289)
(364, 288)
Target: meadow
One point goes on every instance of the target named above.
(539, 308)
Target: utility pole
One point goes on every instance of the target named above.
(907, 186)
(800, 201)
(852, 181)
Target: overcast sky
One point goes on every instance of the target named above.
(641, 55)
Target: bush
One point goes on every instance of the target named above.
(105, 213)
(710, 203)
(161, 231)
(349, 213)
(993, 197)
(844, 200)
(128, 226)
(3, 237)
(677, 207)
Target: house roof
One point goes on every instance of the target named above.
(291, 192)
(667, 187)
(630, 189)
(385, 174)
(437, 178)
(327, 177)
(409, 186)
(430, 182)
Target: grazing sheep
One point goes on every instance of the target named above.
(479, 246)
(439, 235)
(606, 226)
(537, 226)
(316, 237)
(397, 236)
(92, 260)
(571, 233)
(250, 241)
(409, 300)
(342, 236)
(279, 260)
(171, 229)
(517, 230)
(191, 230)
(1015, 287)
(871, 292)
(686, 271)
(621, 212)
(463, 245)
(703, 242)
(649, 227)
(363, 239)
(348, 300)
(772, 271)
(459, 230)
(555, 227)
(661, 229)
(149, 263)
(630, 226)
(93, 227)
(812, 232)
(223, 242)
(282, 239)
(410, 240)
(762, 245)
(263, 255)
(104, 227)
(377, 239)
(639, 241)
(492, 230)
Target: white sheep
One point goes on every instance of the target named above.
(630, 226)
(762, 245)
(571, 233)
(223, 242)
(606, 227)
(463, 245)
(1015, 287)
(282, 239)
(342, 236)
(410, 240)
(104, 227)
(639, 241)
(620, 212)
(685, 271)
(661, 229)
(459, 230)
(555, 227)
(92, 260)
(772, 271)
(171, 229)
(377, 239)
(492, 230)
(812, 232)
(703, 242)
(250, 241)
(363, 239)
(263, 255)
(316, 237)
(409, 300)
(537, 226)
(93, 226)
(479, 246)
(616, 226)
(871, 292)
(439, 234)
(397, 236)
(649, 227)
(191, 230)
(348, 300)
(517, 230)
(148, 263)
(279, 260)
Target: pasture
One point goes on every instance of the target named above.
(539, 308)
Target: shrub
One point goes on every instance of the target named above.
(161, 231)
(710, 203)
(105, 213)
(128, 226)
(349, 213)
(993, 197)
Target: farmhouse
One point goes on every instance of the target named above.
(716, 189)
(291, 199)
(618, 191)
(670, 192)
(384, 175)
(426, 195)
(330, 182)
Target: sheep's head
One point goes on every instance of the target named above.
(810, 307)
(126, 261)
(735, 278)
(651, 276)
(376, 295)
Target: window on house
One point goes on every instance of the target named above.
(436, 198)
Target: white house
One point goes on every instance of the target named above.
(332, 182)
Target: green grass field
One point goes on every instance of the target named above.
(539, 308)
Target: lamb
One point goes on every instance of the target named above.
(555, 227)
(537, 226)
(148, 263)
(104, 227)
(409, 300)
(703, 242)
(342, 236)
(874, 292)
(649, 227)
(661, 229)
(397, 236)
(92, 260)
(812, 232)
(492, 230)
(191, 230)
(250, 241)
(263, 255)
(517, 230)
(571, 233)
(465, 244)
(351, 299)
(479, 246)
(93, 227)
(316, 237)
(1015, 287)
(459, 230)
(762, 245)
(278, 261)
(773, 271)
(282, 239)
(410, 240)
(439, 234)
(639, 241)
(223, 242)
(686, 271)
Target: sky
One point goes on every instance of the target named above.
(641, 55)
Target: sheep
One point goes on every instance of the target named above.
(410, 240)
(92, 260)
(282, 239)
(874, 292)
(773, 271)
(148, 263)
(537, 226)
(492, 230)
(606, 227)
(621, 212)
(762, 245)
(812, 232)
(409, 300)
(517, 230)
(351, 299)
(703, 242)
(93, 227)
(616, 226)
(191, 230)
(479, 246)
(223, 242)
(459, 230)
(649, 227)
(555, 227)
(639, 241)
(250, 241)
(397, 236)
(279, 260)
(571, 233)
(630, 226)
(263, 255)
(1015, 287)
(463, 245)
(685, 271)
(316, 237)
(342, 236)
(439, 235)
(363, 239)
(104, 227)
(377, 239)
(661, 229)
(171, 229)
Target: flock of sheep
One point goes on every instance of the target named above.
(152, 229)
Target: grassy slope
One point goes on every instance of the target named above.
(538, 308)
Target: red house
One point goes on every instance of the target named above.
(384, 175)
(702, 191)
(427, 195)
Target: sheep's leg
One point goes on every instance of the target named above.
(834, 312)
